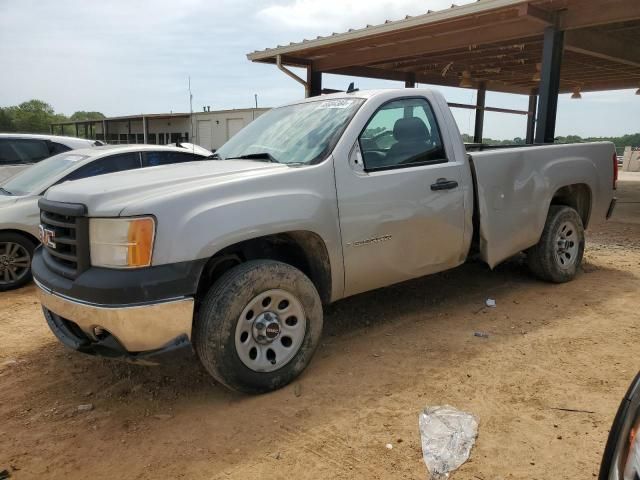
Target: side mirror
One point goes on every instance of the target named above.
(621, 459)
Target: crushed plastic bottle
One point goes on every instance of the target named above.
(448, 435)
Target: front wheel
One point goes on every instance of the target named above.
(258, 326)
(558, 255)
(16, 252)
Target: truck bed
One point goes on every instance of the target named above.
(515, 186)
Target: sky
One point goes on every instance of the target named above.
(130, 57)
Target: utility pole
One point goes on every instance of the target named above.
(255, 97)
(191, 116)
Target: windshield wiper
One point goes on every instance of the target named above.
(5, 191)
(255, 156)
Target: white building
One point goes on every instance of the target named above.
(211, 129)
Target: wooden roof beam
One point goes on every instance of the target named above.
(514, 30)
(534, 52)
(599, 13)
(537, 14)
(426, 78)
(599, 45)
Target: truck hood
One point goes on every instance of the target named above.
(109, 195)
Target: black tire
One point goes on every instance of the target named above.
(549, 260)
(7, 274)
(214, 330)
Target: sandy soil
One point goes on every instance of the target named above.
(385, 356)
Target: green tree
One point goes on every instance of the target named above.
(7, 115)
(82, 115)
(33, 116)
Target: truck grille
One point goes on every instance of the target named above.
(64, 233)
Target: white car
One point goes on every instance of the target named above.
(19, 213)
(19, 150)
(193, 148)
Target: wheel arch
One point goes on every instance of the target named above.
(577, 196)
(302, 249)
(24, 233)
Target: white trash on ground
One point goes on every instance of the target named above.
(491, 303)
(448, 435)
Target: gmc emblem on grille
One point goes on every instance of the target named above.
(47, 237)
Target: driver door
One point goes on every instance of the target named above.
(400, 199)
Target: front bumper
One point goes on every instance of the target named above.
(136, 328)
(120, 313)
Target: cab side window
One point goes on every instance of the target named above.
(19, 150)
(152, 159)
(57, 148)
(402, 133)
(111, 164)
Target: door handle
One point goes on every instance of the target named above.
(444, 184)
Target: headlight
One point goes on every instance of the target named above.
(121, 242)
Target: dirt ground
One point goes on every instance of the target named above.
(384, 357)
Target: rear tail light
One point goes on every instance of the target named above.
(615, 170)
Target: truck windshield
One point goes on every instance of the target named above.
(295, 134)
(40, 176)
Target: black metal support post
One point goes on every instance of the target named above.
(314, 82)
(480, 104)
(549, 85)
(531, 119)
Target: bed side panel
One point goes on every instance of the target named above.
(516, 186)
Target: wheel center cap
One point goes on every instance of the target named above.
(272, 330)
(266, 328)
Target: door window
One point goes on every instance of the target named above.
(111, 164)
(58, 148)
(152, 159)
(402, 133)
(20, 150)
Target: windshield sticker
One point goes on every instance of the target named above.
(337, 103)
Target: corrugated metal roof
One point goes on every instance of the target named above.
(497, 44)
(455, 11)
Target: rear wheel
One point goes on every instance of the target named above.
(558, 255)
(16, 252)
(258, 326)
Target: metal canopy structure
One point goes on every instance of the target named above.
(532, 47)
(88, 127)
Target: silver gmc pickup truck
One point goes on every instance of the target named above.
(311, 203)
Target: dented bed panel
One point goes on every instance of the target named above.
(516, 186)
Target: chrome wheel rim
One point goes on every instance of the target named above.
(14, 263)
(567, 244)
(270, 330)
